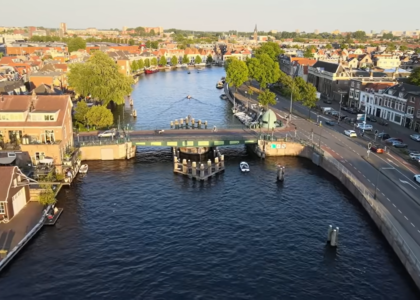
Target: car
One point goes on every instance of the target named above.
(345, 108)
(331, 123)
(352, 111)
(107, 133)
(383, 136)
(383, 123)
(327, 101)
(376, 149)
(350, 133)
(413, 152)
(391, 140)
(371, 118)
(365, 127)
(414, 156)
(415, 137)
(398, 144)
(417, 178)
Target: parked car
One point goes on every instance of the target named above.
(350, 133)
(330, 122)
(327, 101)
(371, 118)
(383, 123)
(365, 127)
(352, 111)
(377, 149)
(417, 178)
(415, 137)
(413, 152)
(107, 133)
(397, 144)
(345, 108)
(383, 136)
(391, 140)
(414, 156)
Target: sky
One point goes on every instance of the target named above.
(217, 15)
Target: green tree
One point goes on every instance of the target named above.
(75, 44)
(415, 77)
(154, 61)
(236, 72)
(47, 195)
(80, 112)
(309, 52)
(185, 59)
(100, 78)
(131, 42)
(403, 48)
(155, 45)
(147, 63)
(174, 60)
(209, 59)
(390, 47)
(162, 61)
(149, 44)
(140, 64)
(345, 46)
(254, 68)
(198, 59)
(269, 71)
(417, 50)
(359, 35)
(267, 98)
(328, 46)
(100, 117)
(133, 66)
(272, 49)
(309, 96)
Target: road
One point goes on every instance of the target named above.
(383, 174)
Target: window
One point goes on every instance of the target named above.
(351, 93)
(418, 113)
(2, 208)
(39, 155)
(357, 96)
(397, 118)
(401, 94)
(49, 118)
(412, 99)
(352, 84)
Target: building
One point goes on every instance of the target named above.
(396, 104)
(14, 192)
(255, 33)
(39, 125)
(387, 61)
(62, 30)
(362, 90)
(157, 30)
(289, 64)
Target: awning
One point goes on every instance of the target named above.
(47, 160)
(7, 160)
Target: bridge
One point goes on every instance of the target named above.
(181, 137)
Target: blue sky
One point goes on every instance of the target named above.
(217, 15)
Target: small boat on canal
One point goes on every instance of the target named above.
(223, 97)
(219, 85)
(244, 167)
(83, 169)
(151, 70)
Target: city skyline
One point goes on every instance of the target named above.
(187, 15)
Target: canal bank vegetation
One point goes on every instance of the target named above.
(99, 78)
(264, 69)
(95, 117)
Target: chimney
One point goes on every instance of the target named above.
(34, 96)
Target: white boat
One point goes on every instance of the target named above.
(219, 85)
(83, 169)
(184, 65)
(179, 66)
(244, 166)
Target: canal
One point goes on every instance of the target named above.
(134, 230)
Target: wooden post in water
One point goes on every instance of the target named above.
(201, 171)
(216, 164)
(184, 166)
(205, 124)
(222, 161)
(175, 163)
(176, 124)
(194, 169)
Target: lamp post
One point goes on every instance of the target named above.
(320, 135)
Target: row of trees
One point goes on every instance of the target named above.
(264, 69)
(163, 61)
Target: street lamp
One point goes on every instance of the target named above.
(320, 135)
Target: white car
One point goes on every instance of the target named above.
(415, 137)
(417, 178)
(108, 133)
(414, 155)
(350, 133)
(365, 127)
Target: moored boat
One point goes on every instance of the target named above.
(223, 97)
(83, 169)
(219, 85)
(151, 70)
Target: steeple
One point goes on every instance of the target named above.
(255, 33)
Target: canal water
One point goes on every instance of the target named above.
(134, 230)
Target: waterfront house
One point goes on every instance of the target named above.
(39, 125)
(14, 192)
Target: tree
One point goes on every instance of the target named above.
(80, 112)
(417, 50)
(154, 61)
(209, 59)
(147, 63)
(345, 46)
(1, 54)
(309, 96)
(269, 71)
(391, 47)
(162, 61)
(185, 59)
(133, 66)
(415, 77)
(149, 44)
(100, 117)
(131, 42)
(140, 64)
(198, 59)
(75, 44)
(236, 72)
(154, 45)
(100, 78)
(267, 98)
(152, 32)
(254, 68)
(47, 195)
(403, 48)
(359, 35)
(328, 46)
(272, 49)
(174, 60)
(309, 52)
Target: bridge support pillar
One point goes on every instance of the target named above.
(175, 163)
(194, 168)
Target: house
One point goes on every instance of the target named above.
(362, 90)
(16, 87)
(53, 78)
(413, 108)
(386, 61)
(39, 125)
(396, 104)
(14, 192)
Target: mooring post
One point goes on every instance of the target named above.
(216, 164)
(334, 238)
(205, 124)
(194, 168)
(199, 123)
(181, 122)
(329, 233)
(222, 161)
(176, 124)
(192, 122)
(184, 166)
(202, 171)
(175, 163)
(172, 124)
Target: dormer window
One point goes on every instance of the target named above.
(401, 94)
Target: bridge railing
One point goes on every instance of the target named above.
(386, 219)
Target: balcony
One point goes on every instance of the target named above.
(72, 157)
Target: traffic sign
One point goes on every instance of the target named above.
(369, 146)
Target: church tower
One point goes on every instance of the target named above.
(255, 33)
